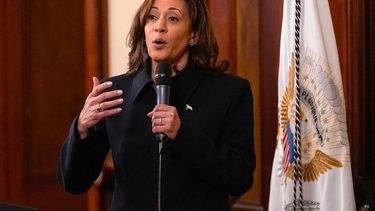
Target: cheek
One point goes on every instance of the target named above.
(182, 41)
(180, 45)
(147, 36)
(147, 32)
(185, 37)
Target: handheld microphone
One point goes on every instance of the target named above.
(163, 89)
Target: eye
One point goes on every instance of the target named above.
(151, 17)
(173, 19)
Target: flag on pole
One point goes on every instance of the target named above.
(311, 167)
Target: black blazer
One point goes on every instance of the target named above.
(212, 156)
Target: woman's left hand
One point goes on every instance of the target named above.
(165, 120)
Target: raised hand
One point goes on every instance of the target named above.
(97, 107)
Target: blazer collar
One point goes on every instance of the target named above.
(184, 83)
(140, 80)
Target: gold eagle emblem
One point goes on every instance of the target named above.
(315, 161)
(319, 165)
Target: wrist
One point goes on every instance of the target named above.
(82, 130)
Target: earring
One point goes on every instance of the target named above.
(191, 44)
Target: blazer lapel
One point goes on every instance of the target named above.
(140, 80)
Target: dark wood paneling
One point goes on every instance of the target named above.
(347, 20)
(54, 93)
(248, 66)
(271, 16)
(353, 83)
(104, 35)
(223, 17)
(361, 97)
(12, 103)
(369, 94)
(339, 11)
(54, 74)
(42, 89)
(95, 43)
(3, 119)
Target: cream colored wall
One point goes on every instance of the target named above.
(120, 16)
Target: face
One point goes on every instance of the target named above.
(168, 32)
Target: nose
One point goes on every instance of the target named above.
(161, 26)
(160, 29)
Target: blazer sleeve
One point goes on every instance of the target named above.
(228, 166)
(81, 161)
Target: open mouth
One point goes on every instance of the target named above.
(159, 41)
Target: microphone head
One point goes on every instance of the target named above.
(163, 74)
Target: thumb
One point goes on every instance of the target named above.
(95, 81)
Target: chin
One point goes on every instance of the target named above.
(159, 58)
(159, 55)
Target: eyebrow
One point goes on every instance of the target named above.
(171, 9)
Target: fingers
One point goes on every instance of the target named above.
(162, 115)
(98, 93)
(108, 104)
(95, 81)
(98, 115)
(99, 88)
(87, 119)
(99, 104)
(160, 108)
(106, 95)
(165, 120)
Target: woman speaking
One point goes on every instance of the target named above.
(209, 154)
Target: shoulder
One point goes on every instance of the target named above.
(119, 78)
(225, 81)
(219, 86)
